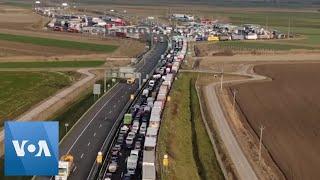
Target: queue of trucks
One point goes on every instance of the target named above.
(133, 150)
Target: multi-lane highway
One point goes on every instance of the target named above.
(86, 138)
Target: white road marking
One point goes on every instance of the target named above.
(114, 105)
(100, 125)
(74, 169)
(89, 144)
(93, 119)
(81, 156)
(94, 134)
(110, 112)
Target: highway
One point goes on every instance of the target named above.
(85, 138)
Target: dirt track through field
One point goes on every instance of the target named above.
(288, 108)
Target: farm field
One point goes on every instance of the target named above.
(51, 64)
(58, 43)
(191, 155)
(35, 42)
(288, 108)
(19, 91)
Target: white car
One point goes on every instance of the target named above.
(124, 129)
(129, 139)
(143, 128)
(135, 126)
(113, 167)
(151, 83)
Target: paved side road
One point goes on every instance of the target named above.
(242, 165)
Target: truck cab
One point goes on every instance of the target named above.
(130, 80)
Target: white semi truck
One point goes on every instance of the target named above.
(148, 166)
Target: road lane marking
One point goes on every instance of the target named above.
(89, 144)
(100, 125)
(81, 156)
(74, 169)
(93, 119)
(94, 134)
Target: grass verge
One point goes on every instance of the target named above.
(51, 64)
(19, 91)
(191, 154)
(58, 43)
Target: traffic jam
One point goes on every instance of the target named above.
(132, 154)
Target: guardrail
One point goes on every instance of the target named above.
(105, 149)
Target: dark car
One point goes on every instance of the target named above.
(137, 145)
(120, 138)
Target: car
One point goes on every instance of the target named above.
(114, 151)
(108, 176)
(129, 139)
(120, 139)
(137, 145)
(124, 129)
(114, 158)
(151, 83)
(113, 166)
(135, 126)
(143, 128)
(117, 147)
(127, 177)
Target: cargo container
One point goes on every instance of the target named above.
(150, 143)
(148, 165)
(154, 120)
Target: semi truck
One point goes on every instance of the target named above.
(65, 167)
(148, 166)
(132, 161)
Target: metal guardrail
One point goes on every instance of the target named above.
(105, 149)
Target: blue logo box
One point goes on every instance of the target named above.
(31, 148)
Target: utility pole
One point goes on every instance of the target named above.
(289, 28)
(267, 19)
(221, 78)
(234, 101)
(260, 141)
(105, 82)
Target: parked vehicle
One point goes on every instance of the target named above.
(132, 161)
(129, 139)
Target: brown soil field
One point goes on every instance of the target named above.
(288, 108)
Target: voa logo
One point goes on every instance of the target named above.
(31, 148)
(42, 144)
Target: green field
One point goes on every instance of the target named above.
(51, 64)
(260, 45)
(183, 136)
(19, 91)
(58, 43)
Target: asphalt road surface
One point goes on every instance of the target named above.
(85, 139)
(240, 161)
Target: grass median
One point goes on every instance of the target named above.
(183, 136)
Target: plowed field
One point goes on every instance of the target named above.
(289, 108)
